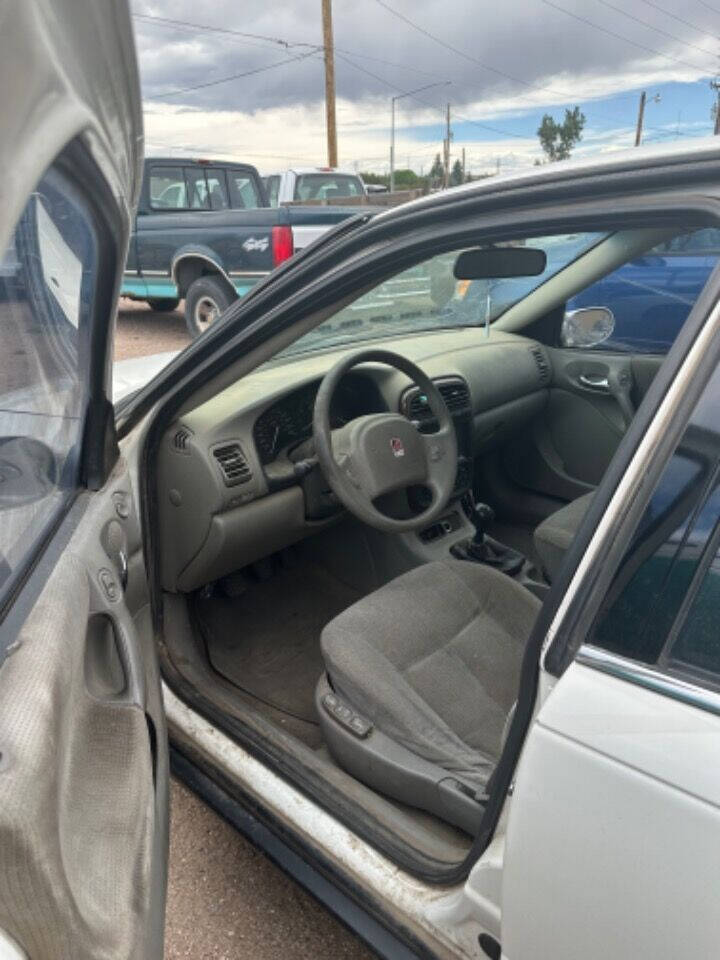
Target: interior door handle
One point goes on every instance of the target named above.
(595, 383)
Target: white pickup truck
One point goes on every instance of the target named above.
(301, 184)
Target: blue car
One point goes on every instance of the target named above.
(650, 297)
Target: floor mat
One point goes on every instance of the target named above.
(267, 641)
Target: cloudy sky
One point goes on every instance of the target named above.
(246, 80)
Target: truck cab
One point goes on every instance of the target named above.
(314, 185)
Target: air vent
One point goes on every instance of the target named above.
(181, 439)
(233, 464)
(541, 362)
(454, 392)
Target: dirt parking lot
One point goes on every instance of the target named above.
(142, 331)
(226, 900)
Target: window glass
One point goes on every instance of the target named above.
(326, 186)
(243, 192)
(46, 282)
(428, 297)
(197, 191)
(167, 188)
(663, 607)
(217, 189)
(652, 295)
(272, 188)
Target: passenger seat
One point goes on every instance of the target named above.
(554, 535)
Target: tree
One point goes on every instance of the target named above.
(379, 178)
(437, 171)
(456, 174)
(406, 179)
(558, 139)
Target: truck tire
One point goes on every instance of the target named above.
(164, 305)
(205, 300)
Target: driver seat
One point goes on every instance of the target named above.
(421, 677)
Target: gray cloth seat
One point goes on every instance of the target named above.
(554, 535)
(432, 660)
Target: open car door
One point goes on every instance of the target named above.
(83, 750)
(613, 840)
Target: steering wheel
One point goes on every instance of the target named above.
(383, 452)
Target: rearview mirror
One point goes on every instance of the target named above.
(587, 327)
(498, 263)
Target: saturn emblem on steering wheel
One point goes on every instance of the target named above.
(397, 447)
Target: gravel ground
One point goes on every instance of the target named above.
(226, 900)
(141, 331)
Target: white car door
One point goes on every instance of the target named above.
(83, 744)
(613, 840)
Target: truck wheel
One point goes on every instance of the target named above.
(163, 306)
(206, 299)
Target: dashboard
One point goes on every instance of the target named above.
(288, 422)
(230, 487)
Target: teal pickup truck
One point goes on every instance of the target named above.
(204, 233)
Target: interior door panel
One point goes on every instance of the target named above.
(84, 772)
(591, 402)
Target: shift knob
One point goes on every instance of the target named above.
(480, 515)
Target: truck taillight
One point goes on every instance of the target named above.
(282, 244)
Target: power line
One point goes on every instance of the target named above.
(709, 6)
(466, 56)
(448, 46)
(617, 36)
(168, 21)
(240, 36)
(427, 103)
(686, 23)
(235, 76)
(649, 26)
(558, 94)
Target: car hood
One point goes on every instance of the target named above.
(130, 375)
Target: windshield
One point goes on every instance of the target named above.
(325, 186)
(428, 297)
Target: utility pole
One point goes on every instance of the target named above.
(329, 82)
(463, 164)
(401, 96)
(715, 85)
(446, 149)
(641, 116)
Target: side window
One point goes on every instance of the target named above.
(217, 189)
(197, 191)
(243, 194)
(47, 277)
(650, 297)
(167, 188)
(663, 607)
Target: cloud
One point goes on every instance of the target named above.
(512, 61)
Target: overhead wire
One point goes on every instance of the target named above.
(558, 94)
(686, 23)
(235, 76)
(618, 36)
(241, 36)
(650, 26)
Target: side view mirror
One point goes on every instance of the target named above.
(586, 327)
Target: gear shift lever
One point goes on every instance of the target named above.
(480, 515)
(483, 548)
